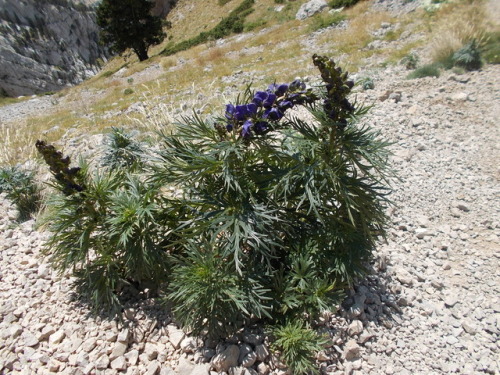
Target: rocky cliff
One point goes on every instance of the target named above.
(46, 45)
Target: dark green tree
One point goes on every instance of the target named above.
(129, 24)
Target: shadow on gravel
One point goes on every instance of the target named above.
(142, 313)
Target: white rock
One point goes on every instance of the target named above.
(249, 359)
(355, 328)
(119, 363)
(151, 351)
(351, 350)
(175, 336)
(310, 8)
(56, 337)
(132, 356)
(119, 350)
(102, 362)
(226, 359)
(153, 368)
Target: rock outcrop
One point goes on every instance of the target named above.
(46, 45)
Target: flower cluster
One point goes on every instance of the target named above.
(338, 87)
(59, 166)
(266, 107)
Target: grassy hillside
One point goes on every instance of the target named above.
(273, 46)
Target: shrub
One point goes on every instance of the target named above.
(271, 216)
(368, 84)
(429, 70)
(491, 48)
(281, 208)
(410, 61)
(322, 21)
(233, 23)
(297, 343)
(342, 3)
(218, 298)
(122, 151)
(104, 230)
(128, 91)
(468, 57)
(21, 189)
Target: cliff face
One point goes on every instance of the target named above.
(46, 45)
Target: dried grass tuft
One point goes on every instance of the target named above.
(17, 146)
(458, 25)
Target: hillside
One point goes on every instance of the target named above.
(46, 46)
(429, 304)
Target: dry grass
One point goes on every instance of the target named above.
(457, 24)
(196, 79)
(17, 146)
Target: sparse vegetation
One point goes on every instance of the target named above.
(429, 70)
(410, 61)
(342, 3)
(322, 21)
(233, 23)
(491, 48)
(468, 57)
(21, 189)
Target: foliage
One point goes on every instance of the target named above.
(122, 150)
(410, 61)
(223, 2)
(288, 207)
(104, 229)
(491, 48)
(254, 216)
(128, 91)
(368, 84)
(322, 21)
(429, 70)
(468, 57)
(129, 24)
(298, 345)
(233, 23)
(342, 3)
(216, 296)
(21, 189)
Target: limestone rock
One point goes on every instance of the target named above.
(226, 359)
(351, 350)
(310, 8)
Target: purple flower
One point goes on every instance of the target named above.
(260, 127)
(229, 127)
(285, 104)
(240, 112)
(252, 109)
(273, 114)
(268, 103)
(282, 89)
(229, 111)
(260, 97)
(297, 85)
(246, 129)
(279, 90)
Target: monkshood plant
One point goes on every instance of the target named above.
(279, 213)
(104, 229)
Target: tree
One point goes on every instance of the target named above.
(129, 24)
